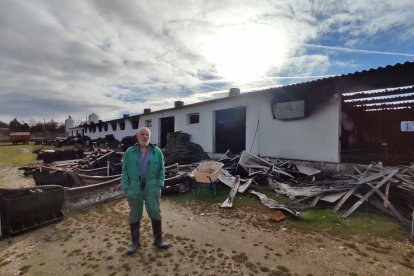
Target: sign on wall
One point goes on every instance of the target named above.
(289, 110)
(407, 126)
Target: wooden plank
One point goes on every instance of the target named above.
(404, 179)
(315, 201)
(377, 204)
(356, 169)
(345, 198)
(367, 195)
(357, 185)
(412, 228)
(387, 191)
(365, 173)
(394, 211)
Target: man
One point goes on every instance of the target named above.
(142, 181)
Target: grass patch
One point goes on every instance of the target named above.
(204, 195)
(17, 155)
(362, 223)
(317, 220)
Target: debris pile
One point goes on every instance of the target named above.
(180, 150)
(388, 189)
(96, 177)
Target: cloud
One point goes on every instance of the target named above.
(112, 57)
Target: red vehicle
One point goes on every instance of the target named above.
(19, 137)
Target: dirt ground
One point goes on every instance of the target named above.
(206, 240)
(11, 178)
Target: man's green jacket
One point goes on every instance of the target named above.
(131, 172)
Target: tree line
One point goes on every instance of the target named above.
(34, 127)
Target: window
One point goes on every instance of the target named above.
(105, 127)
(113, 126)
(100, 128)
(122, 125)
(148, 123)
(134, 124)
(407, 126)
(193, 118)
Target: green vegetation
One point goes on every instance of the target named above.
(362, 223)
(17, 155)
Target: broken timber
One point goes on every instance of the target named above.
(357, 185)
(365, 197)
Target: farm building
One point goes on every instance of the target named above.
(358, 117)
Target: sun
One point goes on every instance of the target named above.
(245, 53)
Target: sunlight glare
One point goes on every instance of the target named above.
(245, 54)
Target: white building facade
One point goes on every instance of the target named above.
(247, 121)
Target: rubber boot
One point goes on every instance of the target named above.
(134, 237)
(156, 230)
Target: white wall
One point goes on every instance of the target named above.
(315, 137)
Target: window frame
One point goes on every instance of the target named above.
(190, 115)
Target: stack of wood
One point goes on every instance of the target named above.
(180, 150)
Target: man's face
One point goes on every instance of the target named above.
(143, 137)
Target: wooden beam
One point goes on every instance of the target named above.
(367, 195)
(357, 185)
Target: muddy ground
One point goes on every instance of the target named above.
(206, 240)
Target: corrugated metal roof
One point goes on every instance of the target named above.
(380, 93)
(383, 100)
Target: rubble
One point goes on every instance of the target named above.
(96, 178)
(390, 190)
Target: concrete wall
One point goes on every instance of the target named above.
(315, 137)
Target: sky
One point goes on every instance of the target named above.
(61, 58)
